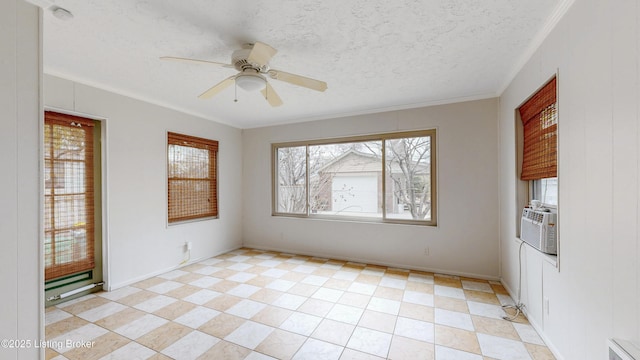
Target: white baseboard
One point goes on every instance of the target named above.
(372, 262)
(166, 270)
(539, 329)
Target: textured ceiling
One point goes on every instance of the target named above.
(374, 54)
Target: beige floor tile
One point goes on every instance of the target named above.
(223, 286)
(225, 264)
(253, 261)
(520, 319)
(409, 349)
(337, 284)
(85, 305)
(164, 336)
(353, 267)
(266, 296)
(147, 283)
(494, 327)
(190, 277)
(448, 303)
(287, 266)
(334, 332)
(417, 312)
(457, 338)
(222, 325)
(225, 273)
(499, 289)
(64, 326)
(447, 281)
(192, 267)
(316, 307)
(50, 354)
(175, 310)
(368, 279)
(292, 275)
(317, 261)
(305, 290)
(388, 293)
(421, 273)
(324, 272)
(481, 296)
(183, 291)
(539, 352)
(137, 298)
(121, 318)
(225, 350)
(223, 302)
(257, 269)
(160, 357)
(272, 315)
(397, 273)
(378, 321)
(281, 344)
(251, 252)
(100, 347)
(419, 287)
(354, 299)
(260, 281)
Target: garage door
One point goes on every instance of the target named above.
(355, 194)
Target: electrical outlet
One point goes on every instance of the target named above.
(188, 245)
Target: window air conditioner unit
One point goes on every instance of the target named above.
(538, 229)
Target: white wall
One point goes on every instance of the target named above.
(464, 242)
(21, 278)
(140, 244)
(595, 294)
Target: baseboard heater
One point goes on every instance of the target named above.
(74, 291)
(622, 350)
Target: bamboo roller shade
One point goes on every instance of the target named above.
(192, 177)
(540, 126)
(69, 195)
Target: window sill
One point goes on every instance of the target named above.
(366, 220)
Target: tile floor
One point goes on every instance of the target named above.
(251, 304)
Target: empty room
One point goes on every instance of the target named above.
(437, 179)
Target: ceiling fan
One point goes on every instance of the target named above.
(252, 63)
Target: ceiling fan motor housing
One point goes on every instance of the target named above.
(239, 61)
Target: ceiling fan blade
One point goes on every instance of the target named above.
(194, 61)
(260, 54)
(271, 96)
(217, 88)
(298, 80)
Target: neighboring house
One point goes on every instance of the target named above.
(352, 182)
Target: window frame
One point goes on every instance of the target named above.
(432, 133)
(537, 102)
(201, 143)
(535, 188)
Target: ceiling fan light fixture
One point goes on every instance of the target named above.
(250, 81)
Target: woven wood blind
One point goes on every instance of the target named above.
(192, 177)
(69, 195)
(540, 127)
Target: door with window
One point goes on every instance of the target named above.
(72, 202)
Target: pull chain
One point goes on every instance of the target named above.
(235, 89)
